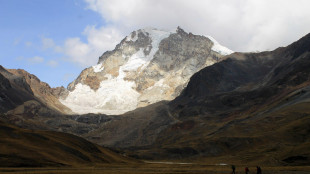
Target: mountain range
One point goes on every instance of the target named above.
(175, 95)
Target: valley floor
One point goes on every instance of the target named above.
(156, 169)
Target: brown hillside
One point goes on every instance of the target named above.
(29, 148)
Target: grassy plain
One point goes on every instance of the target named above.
(155, 168)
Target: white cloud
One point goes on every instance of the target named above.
(52, 63)
(242, 25)
(28, 44)
(47, 43)
(35, 60)
(98, 41)
(76, 50)
(16, 41)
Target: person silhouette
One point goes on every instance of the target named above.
(259, 170)
(233, 167)
(246, 170)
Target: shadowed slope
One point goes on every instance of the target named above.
(249, 108)
(28, 148)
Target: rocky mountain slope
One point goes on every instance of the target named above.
(248, 107)
(148, 66)
(41, 90)
(19, 86)
(14, 90)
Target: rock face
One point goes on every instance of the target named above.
(148, 66)
(41, 90)
(14, 90)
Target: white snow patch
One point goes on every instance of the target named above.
(157, 36)
(219, 48)
(115, 96)
(98, 68)
(135, 61)
(139, 59)
(159, 87)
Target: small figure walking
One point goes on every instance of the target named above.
(233, 167)
(246, 170)
(259, 170)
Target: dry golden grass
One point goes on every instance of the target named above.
(33, 148)
(156, 169)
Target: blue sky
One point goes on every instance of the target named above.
(24, 26)
(57, 39)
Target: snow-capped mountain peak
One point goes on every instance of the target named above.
(148, 66)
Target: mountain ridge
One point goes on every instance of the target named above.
(147, 66)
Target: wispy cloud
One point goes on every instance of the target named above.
(28, 44)
(35, 60)
(98, 41)
(52, 63)
(16, 41)
(47, 43)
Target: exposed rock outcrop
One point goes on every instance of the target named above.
(47, 95)
(148, 66)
